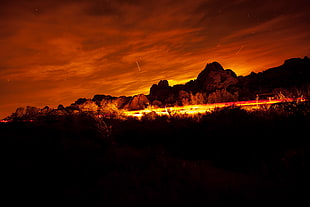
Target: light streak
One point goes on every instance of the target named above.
(193, 109)
(138, 66)
(203, 108)
(241, 47)
(4, 121)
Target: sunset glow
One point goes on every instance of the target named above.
(54, 52)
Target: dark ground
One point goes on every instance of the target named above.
(228, 155)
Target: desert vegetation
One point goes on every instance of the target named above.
(161, 158)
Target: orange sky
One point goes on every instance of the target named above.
(54, 52)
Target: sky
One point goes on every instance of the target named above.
(54, 52)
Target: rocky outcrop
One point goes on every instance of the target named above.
(89, 106)
(121, 102)
(98, 98)
(138, 102)
(58, 112)
(20, 112)
(160, 91)
(213, 78)
(60, 107)
(46, 110)
(32, 111)
(80, 101)
(293, 74)
(112, 105)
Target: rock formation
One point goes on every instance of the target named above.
(32, 111)
(214, 77)
(138, 102)
(98, 98)
(211, 80)
(20, 112)
(45, 110)
(89, 106)
(160, 91)
(293, 74)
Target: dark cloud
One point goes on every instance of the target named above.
(103, 8)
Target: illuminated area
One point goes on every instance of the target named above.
(170, 111)
(203, 108)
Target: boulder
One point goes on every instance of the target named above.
(214, 77)
(89, 106)
(160, 91)
(60, 107)
(138, 102)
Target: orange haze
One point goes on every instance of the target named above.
(53, 52)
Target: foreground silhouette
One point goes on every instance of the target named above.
(230, 154)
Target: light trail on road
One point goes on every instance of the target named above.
(190, 109)
(203, 108)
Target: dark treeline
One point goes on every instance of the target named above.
(232, 137)
(159, 159)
